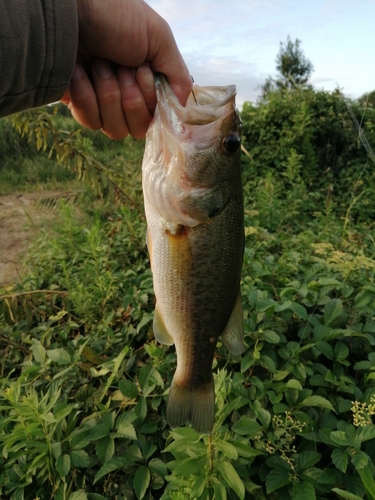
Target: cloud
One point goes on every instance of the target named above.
(226, 41)
(226, 71)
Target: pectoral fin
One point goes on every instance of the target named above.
(232, 336)
(149, 244)
(160, 331)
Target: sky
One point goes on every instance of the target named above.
(236, 41)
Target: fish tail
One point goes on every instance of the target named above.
(194, 405)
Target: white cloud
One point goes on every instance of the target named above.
(227, 41)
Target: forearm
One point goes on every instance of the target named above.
(38, 48)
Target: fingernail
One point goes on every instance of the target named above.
(147, 78)
(102, 69)
(126, 77)
(78, 73)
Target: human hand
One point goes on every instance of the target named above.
(121, 43)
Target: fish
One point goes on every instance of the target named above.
(193, 199)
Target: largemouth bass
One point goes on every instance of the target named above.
(194, 208)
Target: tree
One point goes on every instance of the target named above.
(367, 100)
(294, 69)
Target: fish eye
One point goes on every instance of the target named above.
(231, 143)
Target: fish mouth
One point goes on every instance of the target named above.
(204, 106)
(199, 123)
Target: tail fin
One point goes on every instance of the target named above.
(196, 406)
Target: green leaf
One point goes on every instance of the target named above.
(229, 474)
(56, 449)
(303, 490)
(181, 445)
(346, 494)
(308, 458)
(268, 363)
(264, 416)
(359, 459)
(105, 448)
(332, 310)
(341, 438)
(189, 466)
(298, 310)
(59, 356)
(270, 337)
(367, 480)
(276, 479)
(199, 486)
(245, 450)
(39, 353)
(365, 433)
(158, 467)
(219, 490)
(363, 298)
(80, 458)
(78, 495)
(278, 376)
(247, 427)
(284, 305)
(228, 449)
(325, 348)
(60, 493)
(63, 465)
(294, 384)
(114, 464)
(128, 389)
(126, 430)
(141, 481)
(144, 375)
(362, 365)
(19, 494)
(316, 401)
(341, 351)
(340, 459)
(99, 431)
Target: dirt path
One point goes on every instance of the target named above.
(21, 218)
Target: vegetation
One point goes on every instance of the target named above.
(293, 68)
(83, 383)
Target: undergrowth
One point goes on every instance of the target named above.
(83, 383)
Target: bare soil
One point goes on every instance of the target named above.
(21, 219)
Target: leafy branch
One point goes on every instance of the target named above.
(72, 150)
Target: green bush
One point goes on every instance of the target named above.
(310, 136)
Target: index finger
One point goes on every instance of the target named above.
(165, 57)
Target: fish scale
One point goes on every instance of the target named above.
(194, 209)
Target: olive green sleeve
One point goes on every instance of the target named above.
(38, 47)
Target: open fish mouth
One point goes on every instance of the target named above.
(205, 104)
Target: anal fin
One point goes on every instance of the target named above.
(161, 333)
(232, 335)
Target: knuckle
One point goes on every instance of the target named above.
(109, 95)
